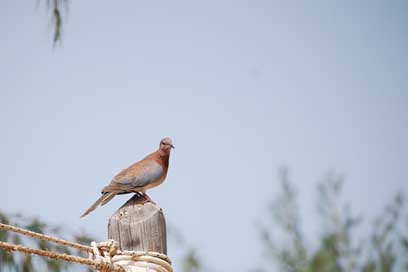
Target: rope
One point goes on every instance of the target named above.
(147, 253)
(45, 237)
(108, 250)
(145, 261)
(100, 265)
(104, 256)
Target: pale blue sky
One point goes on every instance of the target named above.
(242, 87)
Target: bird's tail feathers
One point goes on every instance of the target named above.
(108, 198)
(103, 199)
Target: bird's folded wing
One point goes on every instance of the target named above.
(136, 176)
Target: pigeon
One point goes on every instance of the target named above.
(139, 177)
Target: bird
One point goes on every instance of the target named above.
(138, 177)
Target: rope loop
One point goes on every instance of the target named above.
(107, 253)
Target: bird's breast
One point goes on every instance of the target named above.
(156, 182)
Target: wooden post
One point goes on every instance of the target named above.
(139, 225)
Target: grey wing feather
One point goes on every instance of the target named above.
(146, 174)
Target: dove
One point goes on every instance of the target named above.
(139, 177)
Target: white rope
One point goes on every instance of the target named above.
(108, 252)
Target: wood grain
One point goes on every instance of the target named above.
(139, 225)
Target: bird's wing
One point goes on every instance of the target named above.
(135, 176)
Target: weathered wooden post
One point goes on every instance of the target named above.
(139, 226)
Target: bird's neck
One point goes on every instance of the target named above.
(165, 160)
(162, 158)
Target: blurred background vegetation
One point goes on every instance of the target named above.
(26, 263)
(58, 11)
(346, 242)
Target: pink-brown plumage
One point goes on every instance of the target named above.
(139, 177)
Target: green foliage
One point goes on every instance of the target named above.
(341, 247)
(16, 262)
(190, 260)
(56, 8)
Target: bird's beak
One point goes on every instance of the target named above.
(172, 146)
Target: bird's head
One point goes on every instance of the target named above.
(165, 146)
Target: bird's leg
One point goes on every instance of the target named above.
(147, 197)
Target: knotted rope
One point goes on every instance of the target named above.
(103, 256)
(108, 252)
